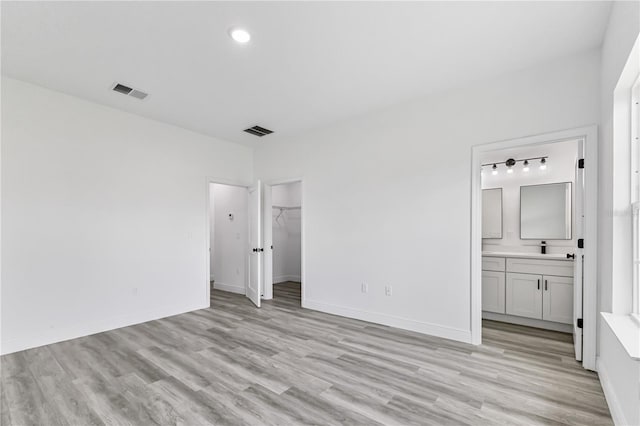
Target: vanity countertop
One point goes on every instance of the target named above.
(553, 256)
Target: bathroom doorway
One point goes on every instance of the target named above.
(533, 207)
(228, 237)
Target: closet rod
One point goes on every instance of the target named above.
(286, 208)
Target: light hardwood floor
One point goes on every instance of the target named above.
(235, 364)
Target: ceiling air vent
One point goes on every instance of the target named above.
(258, 131)
(126, 90)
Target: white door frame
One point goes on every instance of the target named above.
(589, 135)
(268, 292)
(208, 181)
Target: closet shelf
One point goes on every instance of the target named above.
(287, 208)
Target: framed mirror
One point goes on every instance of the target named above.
(545, 211)
(492, 213)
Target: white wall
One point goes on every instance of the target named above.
(620, 378)
(286, 233)
(104, 216)
(388, 195)
(622, 31)
(620, 375)
(230, 242)
(561, 167)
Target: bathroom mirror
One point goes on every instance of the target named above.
(545, 212)
(492, 213)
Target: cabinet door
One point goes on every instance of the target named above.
(493, 291)
(524, 295)
(557, 299)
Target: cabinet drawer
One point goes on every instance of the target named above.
(493, 263)
(561, 268)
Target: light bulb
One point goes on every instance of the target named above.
(526, 166)
(509, 170)
(494, 170)
(543, 164)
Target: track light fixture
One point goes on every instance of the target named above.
(511, 163)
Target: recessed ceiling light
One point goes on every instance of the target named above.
(240, 35)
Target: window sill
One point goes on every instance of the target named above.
(627, 331)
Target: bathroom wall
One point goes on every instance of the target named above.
(229, 243)
(286, 233)
(561, 167)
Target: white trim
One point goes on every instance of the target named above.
(88, 328)
(617, 414)
(285, 278)
(230, 288)
(635, 259)
(626, 330)
(589, 136)
(529, 322)
(391, 321)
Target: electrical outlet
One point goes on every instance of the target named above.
(388, 290)
(365, 288)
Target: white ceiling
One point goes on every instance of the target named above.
(308, 64)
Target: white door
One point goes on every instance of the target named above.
(267, 217)
(493, 292)
(524, 295)
(578, 263)
(256, 250)
(557, 299)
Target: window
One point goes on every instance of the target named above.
(635, 192)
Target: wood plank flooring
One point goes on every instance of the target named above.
(233, 364)
(287, 294)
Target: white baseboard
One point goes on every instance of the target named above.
(285, 278)
(390, 320)
(529, 322)
(87, 328)
(229, 287)
(610, 395)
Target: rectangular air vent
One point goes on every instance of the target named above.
(121, 88)
(258, 131)
(138, 94)
(126, 90)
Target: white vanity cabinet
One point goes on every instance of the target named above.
(524, 295)
(521, 289)
(493, 292)
(493, 284)
(557, 299)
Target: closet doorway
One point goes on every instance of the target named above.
(283, 243)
